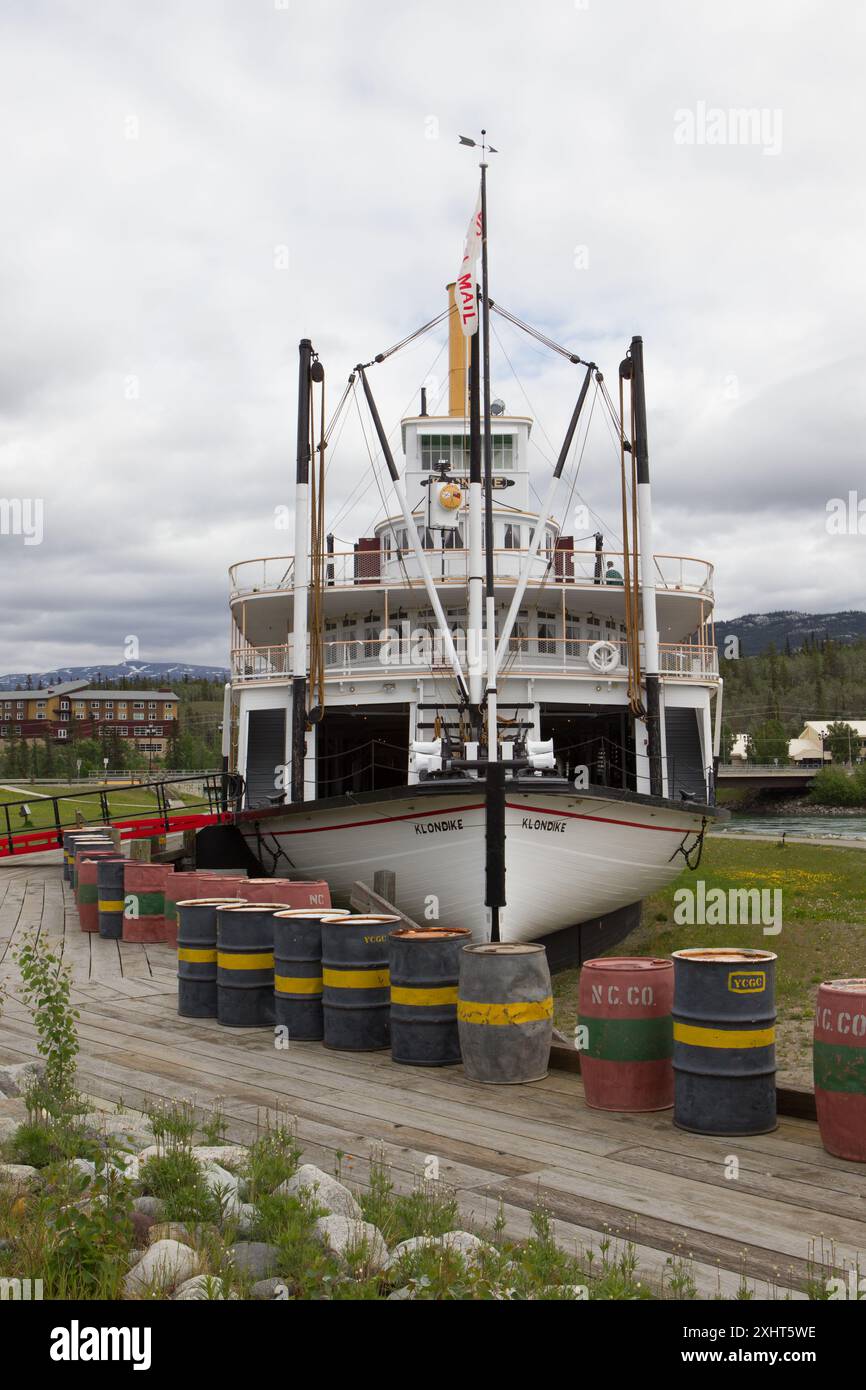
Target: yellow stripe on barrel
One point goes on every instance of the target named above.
(416, 994)
(298, 984)
(194, 957)
(260, 960)
(356, 979)
(521, 1011)
(111, 906)
(723, 1037)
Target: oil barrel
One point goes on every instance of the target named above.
(356, 995)
(505, 1012)
(724, 1040)
(178, 886)
(298, 971)
(69, 838)
(88, 892)
(624, 1004)
(144, 901)
(289, 891)
(839, 1061)
(197, 956)
(109, 897)
(424, 968)
(245, 964)
(80, 848)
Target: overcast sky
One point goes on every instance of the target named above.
(189, 188)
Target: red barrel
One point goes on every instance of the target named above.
(289, 892)
(86, 892)
(625, 1005)
(839, 1061)
(144, 901)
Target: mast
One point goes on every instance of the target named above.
(301, 573)
(494, 896)
(475, 653)
(647, 563)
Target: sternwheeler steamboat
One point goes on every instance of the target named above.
(519, 722)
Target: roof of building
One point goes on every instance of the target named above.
(62, 688)
(104, 692)
(820, 726)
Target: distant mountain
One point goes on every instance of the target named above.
(168, 672)
(757, 631)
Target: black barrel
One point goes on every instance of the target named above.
(298, 971)
(245, 964)
(197, 956)
(109, 897)
(69, 838)
(505, 1012)
(356, 995)
(724, 1041)
(425, 966)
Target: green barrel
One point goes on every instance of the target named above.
(197, 956)
(724, 1059)
(298, 971)
(109, 897)
(425, 967)
(245, 964)
(356, 994)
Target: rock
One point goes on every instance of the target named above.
(223, 1185)
(163, 1266)
(400, 1294)
(8, 1128)
(254, 1257)
(315, 1187)
(14, 1108)
(201, 1287)
(85, 1167)
(21, 1177)
(227, 1155)
(462, 1243)
(343, 1236)
(170, 1230)
(151, 1151)
(272, 1290)
(17, 1076)
(129, 1130)
(141, 1224)
(128, 1165)
(149, 1206)
(247, 1216)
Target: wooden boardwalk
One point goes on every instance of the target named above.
(792, 1211)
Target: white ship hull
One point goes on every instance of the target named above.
(570, 857)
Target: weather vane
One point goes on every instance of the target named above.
(485, 148)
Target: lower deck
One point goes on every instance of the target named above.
(793, 1212)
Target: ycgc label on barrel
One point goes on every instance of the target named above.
(747, 981)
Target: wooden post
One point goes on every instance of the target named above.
(385, 884)
(139, 851)
(189, 846)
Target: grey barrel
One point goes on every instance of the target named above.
(424, 969)
(505, 1012)
(298, 971)
(356, 996)
(724, 1060)
(197, 956)
(245, 964)
(109, 898)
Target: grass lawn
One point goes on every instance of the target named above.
(823, 932)
(124, 802)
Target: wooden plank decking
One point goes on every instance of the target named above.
(633, 1178)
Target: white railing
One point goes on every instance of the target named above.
(359, 569)
(541, 655)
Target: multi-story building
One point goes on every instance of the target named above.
(74, 710)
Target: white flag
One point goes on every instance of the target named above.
(464, 290)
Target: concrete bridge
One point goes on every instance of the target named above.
(765, 775)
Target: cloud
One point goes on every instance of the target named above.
(164, 163)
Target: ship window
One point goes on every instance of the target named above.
(546, 634)
(503, 451)
(512, 536)
(452, 540)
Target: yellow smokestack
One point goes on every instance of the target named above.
(458, 360)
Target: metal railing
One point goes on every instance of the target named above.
(358, 569)
(542, 655)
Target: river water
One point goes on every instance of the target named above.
(798, 827)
